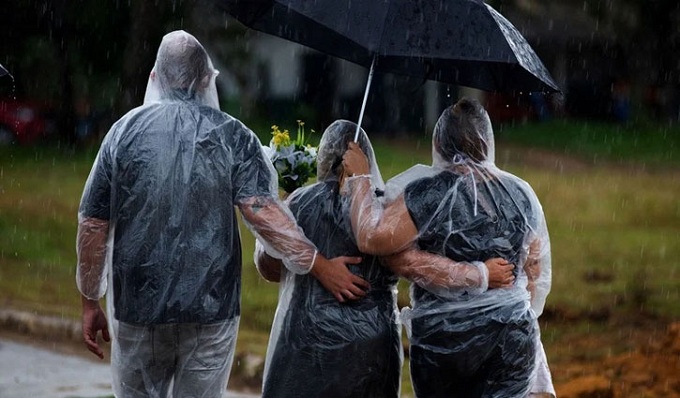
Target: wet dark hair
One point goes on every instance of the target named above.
(461, 130)
(334, 144)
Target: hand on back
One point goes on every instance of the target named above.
(334, 275)
(500, 273)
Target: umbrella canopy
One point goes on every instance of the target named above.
(463, 42)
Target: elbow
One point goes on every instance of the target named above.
(377, 245)
(364, 246)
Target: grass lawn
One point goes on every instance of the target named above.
(614, 224)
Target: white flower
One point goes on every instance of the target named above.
(268, 151)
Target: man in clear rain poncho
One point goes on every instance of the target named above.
(464, 343)
(320, 347)
(158, 228)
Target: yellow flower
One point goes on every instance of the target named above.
(280, 138)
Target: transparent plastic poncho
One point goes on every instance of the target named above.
(318, 346)
(157, 223)
(467, 209)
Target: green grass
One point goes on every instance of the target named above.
(641, 142)
(614, 228)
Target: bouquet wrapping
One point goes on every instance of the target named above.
(293, 159)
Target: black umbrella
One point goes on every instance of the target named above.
(3, 71)
(463, 42)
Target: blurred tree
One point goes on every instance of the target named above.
(226, 41)
(141, 43)
(59, 52)
(82, 57)
(654, 53)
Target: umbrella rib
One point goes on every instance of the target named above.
(382, 32)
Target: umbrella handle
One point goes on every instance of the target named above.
(363, 105)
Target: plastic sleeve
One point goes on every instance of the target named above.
(438, 274)
(91, 249)
(377, 230)
(274, 226)
(267, 266)
(538, 266)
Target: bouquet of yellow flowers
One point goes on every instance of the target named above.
(294, 160)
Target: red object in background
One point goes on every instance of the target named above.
(24, 122)
(505, 108)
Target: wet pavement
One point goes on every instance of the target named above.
(31, 372)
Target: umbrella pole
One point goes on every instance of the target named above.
(363, 105)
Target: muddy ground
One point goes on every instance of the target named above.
(632, 356)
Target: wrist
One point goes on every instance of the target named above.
(358, 179)
(89, 303)
(484, 275)
(315, 258)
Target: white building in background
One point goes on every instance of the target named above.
(293, 79)
(285, 72)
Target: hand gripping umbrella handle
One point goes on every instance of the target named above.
(363, 105)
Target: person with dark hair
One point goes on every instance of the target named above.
(463, 343)
(157, 227)
(318, 346)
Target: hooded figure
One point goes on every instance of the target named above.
(463, 343)
(319, 347)
(158, 229)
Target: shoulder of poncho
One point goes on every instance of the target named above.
(439, 176)
(518, 181)
(122, 124)
(304, 192)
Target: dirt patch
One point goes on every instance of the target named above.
(632, 356)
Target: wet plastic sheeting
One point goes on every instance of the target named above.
(468, 210)
(318, 346)
(173, 210)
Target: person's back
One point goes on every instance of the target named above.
(157, 215)
(176, 255)
(342, 350)
(472, 216)
(472, 345)
(319, 211)
(469, 337)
